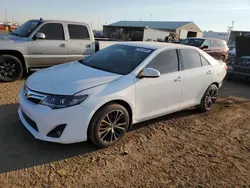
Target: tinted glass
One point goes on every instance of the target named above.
(204, 62)
(192, 42)
(26, 29)
(78, 32)
(190, 59)
(165, 62)
(52, 31)
(119, 59)
(207, 43)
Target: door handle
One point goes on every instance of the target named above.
(209, 72)
(63, 45)
(179, 79)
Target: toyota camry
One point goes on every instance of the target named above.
(100, 97)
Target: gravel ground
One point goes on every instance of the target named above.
(185, 149)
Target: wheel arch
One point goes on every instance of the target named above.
(121, 102)
(18, 55)
(215, 83)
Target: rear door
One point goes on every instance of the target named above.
(215, 49)
(197, 76)
(80, 43)
(51, 50)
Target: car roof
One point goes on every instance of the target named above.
(157, 45)
(60, 21)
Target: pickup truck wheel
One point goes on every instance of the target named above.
(11, 68)
(209, 98)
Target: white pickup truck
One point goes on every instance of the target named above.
(42, 43)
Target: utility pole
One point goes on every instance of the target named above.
(230, 29)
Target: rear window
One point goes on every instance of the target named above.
(78, 32)
(118, 59)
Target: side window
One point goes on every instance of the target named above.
(165, 62)
(207, 43)
(204, 62)
(52, 31)
(78, 32)
(190, 59)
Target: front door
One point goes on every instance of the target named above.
(197, 76)
(162, 95)
(80, 44)
(49, 51)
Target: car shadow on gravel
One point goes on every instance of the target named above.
(19, 149)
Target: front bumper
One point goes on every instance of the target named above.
(76, 117)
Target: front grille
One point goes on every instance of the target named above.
(30, 121)
(33, 96)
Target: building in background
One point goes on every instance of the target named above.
(217, 35)
(151, 30)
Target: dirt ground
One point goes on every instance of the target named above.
(185, 149)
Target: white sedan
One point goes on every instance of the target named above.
(100, 97)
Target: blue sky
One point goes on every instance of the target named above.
(214, 15)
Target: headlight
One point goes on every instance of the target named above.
(58, 101)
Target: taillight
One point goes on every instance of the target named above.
(226, 67)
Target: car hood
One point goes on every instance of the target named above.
(68, 79)
(6, 36)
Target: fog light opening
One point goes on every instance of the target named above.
(57, 132)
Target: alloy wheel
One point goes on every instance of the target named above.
(7, 68)
(211, 98)
(112, 126)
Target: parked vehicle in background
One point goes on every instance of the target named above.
(42, 43)
(239, 58)
(99, 98)
(217, 48)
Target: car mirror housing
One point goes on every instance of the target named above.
(40, 35)
(204, 47)
(149, 73)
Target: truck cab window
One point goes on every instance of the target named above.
(52, 31)
(78, 32)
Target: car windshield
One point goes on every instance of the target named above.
(192, 42)
(26, 29)
(118, 59)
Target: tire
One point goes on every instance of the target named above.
(104, 130)
(11, 68)
(209, 98)
(223, 58)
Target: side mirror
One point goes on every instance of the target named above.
(204, 47)
(40, 36)
(149, 73)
